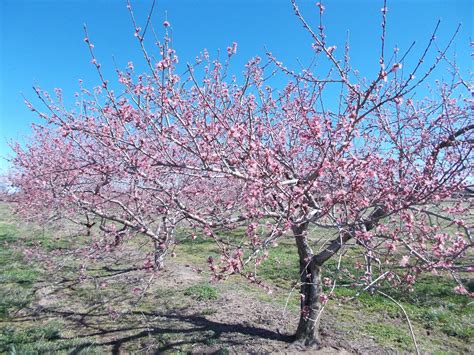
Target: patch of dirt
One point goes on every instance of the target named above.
(45, 297)
(249, 325)
(176, 274)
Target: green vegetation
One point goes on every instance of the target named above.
(202, 292)
(390, 335)
(282, 265)
(432, 302)
(36, 340)
(60, 311)
(16, 276)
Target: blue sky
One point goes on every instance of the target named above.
(41, 41)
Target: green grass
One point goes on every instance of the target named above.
(195, 251)
(282, 265)
(13, 299)
(202, 292)
(17, 279)
(434, 304)
(34, 340)
(208, 311)
(12, 336)
(16, 276)
(443, 321)
(431, 304)
(390, 335)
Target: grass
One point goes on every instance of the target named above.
(431, 304)
(282, 265)
(16, 276)
(208, 311)
(390, 335)
(17, 339)
(105, 309)
(202, 292)
(195, 251)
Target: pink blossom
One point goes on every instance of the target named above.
(405, 260)
(331, 49)
(233, 49)
(461, 290)
(323, 298)
(396, 66)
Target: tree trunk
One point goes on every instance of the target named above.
(308, 328)
(159, 257)
(368, 271)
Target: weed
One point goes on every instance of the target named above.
(202, 292)
(13, 298)
(281, 267)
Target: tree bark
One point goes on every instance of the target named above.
(159, 257)
(307, 332)
(161, 245)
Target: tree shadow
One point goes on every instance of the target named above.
(194, 328)
(169, 330)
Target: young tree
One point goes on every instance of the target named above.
(376, 165)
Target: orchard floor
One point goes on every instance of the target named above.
(56, 298)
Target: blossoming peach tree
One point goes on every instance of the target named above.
(375, 165)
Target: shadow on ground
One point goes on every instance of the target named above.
(113, 319)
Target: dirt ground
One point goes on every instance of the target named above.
(64, 298)
(163, 319)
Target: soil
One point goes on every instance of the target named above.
(237, 322)
(106, 302)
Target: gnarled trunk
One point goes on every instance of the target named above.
(310, 269)
(310, 291)
(308, 326)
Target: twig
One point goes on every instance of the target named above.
(371, 284)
